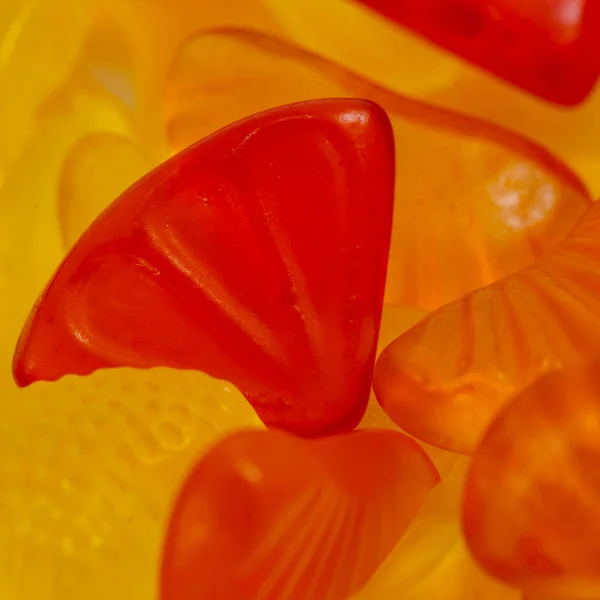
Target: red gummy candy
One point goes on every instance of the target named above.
(257, 255)
(532, 503)
(271, 516)
(550, 48)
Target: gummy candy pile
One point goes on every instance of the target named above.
(299, 301)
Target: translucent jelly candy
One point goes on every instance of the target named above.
(28, 36)
(446, 378)
(473, 202)
(541, 532)
(89, 468)
(81, 156)
(395, 320)
(572, 134)
(548, 47)
(271, 516)
(258, 255)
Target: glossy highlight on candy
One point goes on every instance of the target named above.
(269, 515)
(541, 531)
(445, 379)
(473, 202)
(547, 47)
(258, 255)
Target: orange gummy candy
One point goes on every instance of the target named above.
(272, 516)
(542, 453)
(446, 378)
(474, 202)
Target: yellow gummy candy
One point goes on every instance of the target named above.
(39, 42)
(89, 467)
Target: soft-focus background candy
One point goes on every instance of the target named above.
(94, 93)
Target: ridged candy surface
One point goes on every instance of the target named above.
(258, 255)
(446, 378)
(473, 202)
(267, 516)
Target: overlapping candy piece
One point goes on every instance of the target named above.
(271, 516)
(431, 561)
(532, 503)
(547, 47)
(473, 202)
(89, 468)
(258, 256)
(446, 378)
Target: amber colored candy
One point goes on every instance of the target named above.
(473, 202)
(395, 320)
(445, 379)
(548, 47)
(89, 467)
(268, 515)
(532, 502)
(258, 256)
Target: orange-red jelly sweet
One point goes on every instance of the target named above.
(548, 47)
(446, 378)
(532, 507)
(271, 516)
(258, 256)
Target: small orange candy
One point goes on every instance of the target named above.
(532, 504)
(445, 379)
(270, 516)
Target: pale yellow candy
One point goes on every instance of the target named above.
(39, 42)
(89, 467)
(97, 169)
(84, 153)
(31, 242)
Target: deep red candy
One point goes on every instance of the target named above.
(550, 48)
(258, 255)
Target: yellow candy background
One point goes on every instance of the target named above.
(88, 475)
(84, 92)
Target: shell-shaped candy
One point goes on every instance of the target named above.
(258, 256)
(445, 379)
(267, 516)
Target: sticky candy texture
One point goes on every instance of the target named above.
(547, 47)
(89, 469)
(258, 256)
(445, 379)
(541, 532)
(269, 515)
(473, 202)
